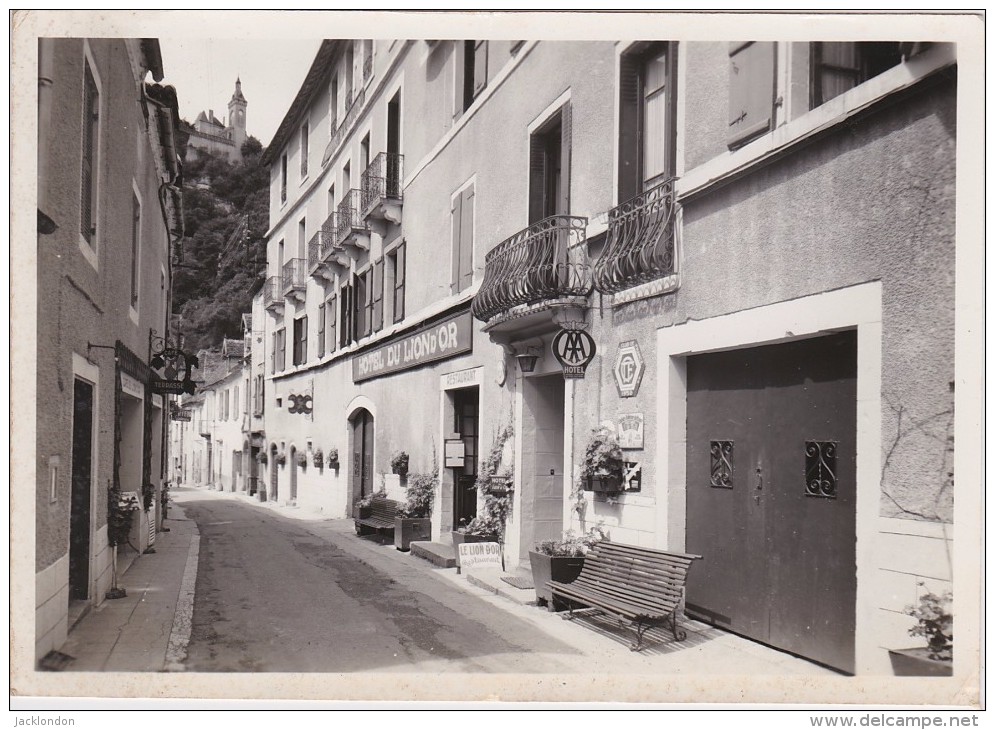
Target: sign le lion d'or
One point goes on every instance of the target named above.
(448, 338)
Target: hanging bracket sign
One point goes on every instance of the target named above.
(573, 349)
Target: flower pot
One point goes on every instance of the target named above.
(546, 568)
(407, 529)
(361, 513)
(461, 537)
(604, 484)
(917, 663)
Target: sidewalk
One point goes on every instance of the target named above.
(148, 630)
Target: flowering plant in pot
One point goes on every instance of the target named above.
(561, 560)
(413, 521)
(364, 505)
(601, 470)
(333, 458)
(399, 463)
(281, 458)
(302, 459)
(319, 459)
(262, 458)
(934, 621)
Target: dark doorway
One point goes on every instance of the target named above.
(82, 476)
(466, 423)
(771, 494)
(292, 465)
(362, 454)
(274, 475)
(394, 147)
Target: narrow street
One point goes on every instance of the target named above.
(276, 594)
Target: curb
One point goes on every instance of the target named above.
(179, 635)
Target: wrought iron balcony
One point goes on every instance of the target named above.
(545, 263)
(273, 293)
(353, 107)
(350, 227)
(367, 67)
(295, 279)
(322, 250)
(382, 189)
(640, 245)
(204, 428)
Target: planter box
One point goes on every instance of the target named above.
(261, 495)
(546, 568)
(916, 663)
(461, 537)
(604, 484)
(408, 529)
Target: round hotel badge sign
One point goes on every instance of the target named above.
(573, 349)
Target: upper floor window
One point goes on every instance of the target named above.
(751, 90)
(300, 340)
(376, 296)
(471, 72)
(334, 105)
(838, 67)
(90, 162)
(281, 348)
(136, 235)
(321, 330)
(304, 149)
(647, 141)
(396, 259)
(331, 316)
(283, 178)
(367, 58)
(347, 314)
(549, 167)
(462, 225)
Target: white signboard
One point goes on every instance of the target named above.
(630, 430)
(478, 555)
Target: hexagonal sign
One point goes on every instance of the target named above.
(628, 368)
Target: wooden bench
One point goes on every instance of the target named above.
(638, 587)
(381, 518)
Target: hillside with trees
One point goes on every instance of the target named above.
(226, 215)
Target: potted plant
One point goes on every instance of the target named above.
(399, 463)
(319, 459)
(281, 458)
(602, 467)
(262, 458)
(302, 459)
(333, 458)
(363, 507)
(413, 521)
(934, 621)
(560, 560)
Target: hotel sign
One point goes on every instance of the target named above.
(442, 340)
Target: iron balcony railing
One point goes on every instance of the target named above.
(294, 276)
(382, 180)
(348, 216)
(547, 260)
(204, 428)
(353, 106)
(640, 243)
(273, 292)
(367, 67)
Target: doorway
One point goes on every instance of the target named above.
(394, 147)
(771, 476)
(293, 474)
(274, 474)
(466, 423)
(362, 453)
(82, 479)
(541, 514)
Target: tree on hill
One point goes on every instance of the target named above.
(222, 261)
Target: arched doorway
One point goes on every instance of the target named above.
(362, 453)
(293, 474)
(274, 471)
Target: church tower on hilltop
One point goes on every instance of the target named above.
(236, 116)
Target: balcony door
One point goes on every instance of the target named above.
(549, 167)
(394, 147)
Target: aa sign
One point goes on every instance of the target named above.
(574, 350)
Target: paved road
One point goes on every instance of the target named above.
(276, 594)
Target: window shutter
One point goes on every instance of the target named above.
(537, 161)
(272, 355)
(90, 111)
(321, 330)
(751, 90)
(479, 67)
(466, 240)
(459, 69)
(566, 130)
(332, 313)
(629, 131)
(304, 339)
(457, 217)
(399, 275)
(378, 295)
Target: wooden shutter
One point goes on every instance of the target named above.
(272, 355)
(90, 111)
(332, 315)
(378, 295)
(457, 218)
(537, 177)
(629, 128)
(466, 240)
(399, 274)
(321, 330)
(751, 90)
(304, 339)
(566, 127)
(479, 67)
(459, 69)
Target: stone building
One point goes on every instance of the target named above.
(758, 239)
(212, 134)
(108, 216)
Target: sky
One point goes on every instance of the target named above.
(204, 70)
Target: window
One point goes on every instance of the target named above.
(396, 258)
(300, 340)
(302, 238)
(647, 142)
(283, 178)
(90, 164)
(136, 233)
(471, 73)
(549, 167)
(349, 56)
(331, 313)
(334, 104)
(367, 58)
(304, 150)
(321, 330)
(751, 91)
(331, 200)
(346, 318)
(462, 224)
(377, 296)
(272, 355)
(364, 153)
(236, 403)
(363, 304)
(281, 348)
(838, 67)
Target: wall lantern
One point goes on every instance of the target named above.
(527, 358)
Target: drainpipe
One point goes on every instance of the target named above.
(46, 63)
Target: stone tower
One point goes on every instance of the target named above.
(236, 117)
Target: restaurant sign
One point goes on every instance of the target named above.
(448, 338)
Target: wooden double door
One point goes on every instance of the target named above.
(771, 494)
(362, 454)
